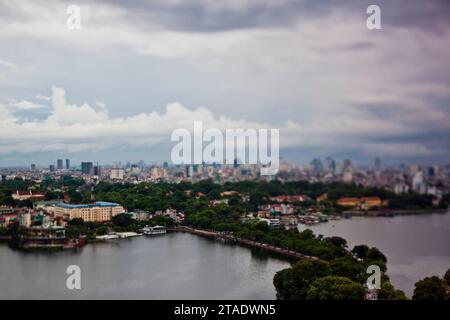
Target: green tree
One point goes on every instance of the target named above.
(430, 288)
(293, 283)
(102, 230)
(361, 251)
(337, 241)
(447, 277)
(122, 220)
(335, 288)
(388, 292)
(375, 254)
(76, 222)
(348, 267)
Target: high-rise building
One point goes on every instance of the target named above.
(33, 167)
(348, 166)
(330, 165)
(141, 164)
(67, 164)
(414, 168)
(87, 168)
(97, 170)
(59, 164)
(190, 171)
(418, 183)
(317, 165)
(135, 170)
(377, 164)
(52, 168)
(117, 173)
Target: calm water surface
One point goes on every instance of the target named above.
(416, 245)
(185, 266)
(174, 266)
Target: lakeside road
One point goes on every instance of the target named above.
(245, 242)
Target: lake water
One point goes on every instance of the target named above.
(185, 266)
(173, 266)
(416, 246)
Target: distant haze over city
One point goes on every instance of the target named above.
(115, 89)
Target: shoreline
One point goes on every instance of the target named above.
(248, 243)
(227, 237)
(393, 213)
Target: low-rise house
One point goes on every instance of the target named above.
(28, 195)
(289, 198)
(215, 203)
(6, 210)
(8, 218)
(277, 209)
(323, 197)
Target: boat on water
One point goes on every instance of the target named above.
(107, 237)
(123, 235)
(156, 230)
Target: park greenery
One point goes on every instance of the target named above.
(433, 288)
(159, 196)
(340, 278)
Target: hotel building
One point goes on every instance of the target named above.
(96, 212)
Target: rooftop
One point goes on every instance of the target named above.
(80, 206)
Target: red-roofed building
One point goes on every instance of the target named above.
(28, 195)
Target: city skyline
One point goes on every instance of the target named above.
(370, 163)
(69, 163)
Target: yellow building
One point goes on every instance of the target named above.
(370, 202)
(96, 212)
(364, 202)
(348, 202)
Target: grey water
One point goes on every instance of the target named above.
(173, 266)
(185, 266)
(416, 246)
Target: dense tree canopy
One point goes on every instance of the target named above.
(294, 283)
(447, 277)
(430, 288)
(335, 288)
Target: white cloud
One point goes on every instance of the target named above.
(7, 64)
(7, 68)
(323, 66)
(25, 105)
(43, 97)
(76, 128)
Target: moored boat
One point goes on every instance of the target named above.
(156, 230)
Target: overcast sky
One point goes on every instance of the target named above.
(117, 88)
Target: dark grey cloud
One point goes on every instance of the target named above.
(309, 80)
(198, 16)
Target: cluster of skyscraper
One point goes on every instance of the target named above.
(88, 168)
(53, 168)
